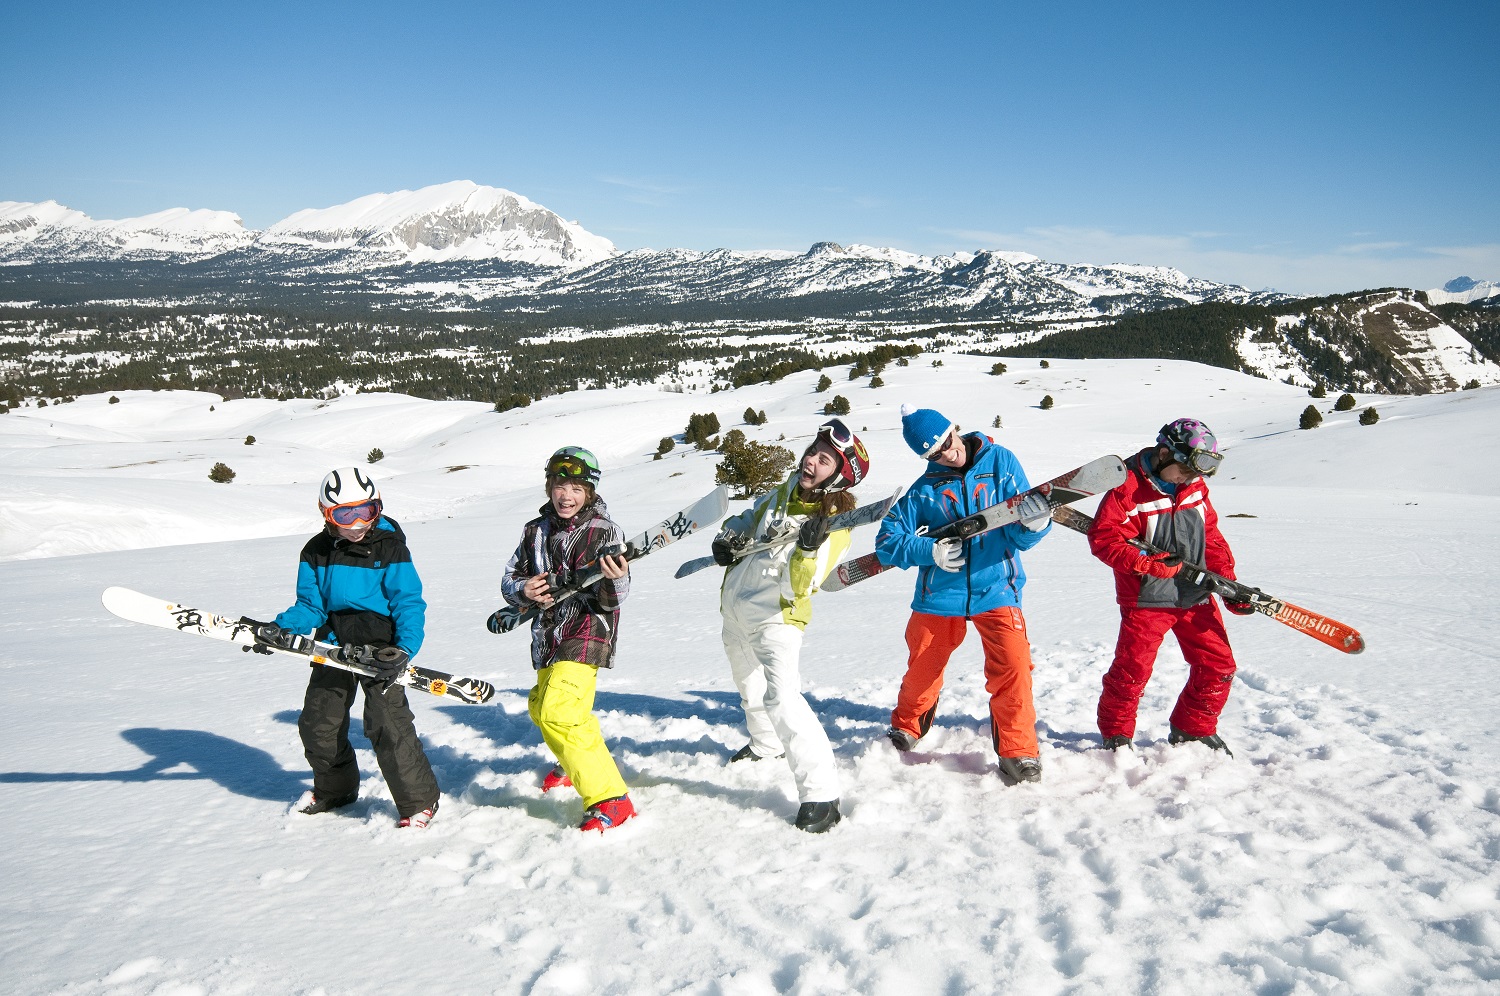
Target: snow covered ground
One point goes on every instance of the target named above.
(1350, 845)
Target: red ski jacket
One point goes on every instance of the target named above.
(1184, 523)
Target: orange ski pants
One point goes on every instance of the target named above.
(1007, 675)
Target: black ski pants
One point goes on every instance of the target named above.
(324, 726)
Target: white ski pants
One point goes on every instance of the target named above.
(765, 662)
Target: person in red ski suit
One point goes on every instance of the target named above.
(1164, 502)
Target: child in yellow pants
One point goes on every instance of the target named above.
(572, 639)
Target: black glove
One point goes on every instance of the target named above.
(1240, 608)
(267, 635)
(389, 663)
(813, 533)
(723, 551)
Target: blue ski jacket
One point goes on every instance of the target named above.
(365, 592)
(993, 576)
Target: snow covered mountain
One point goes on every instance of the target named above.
(49, 232)
(450, 221)
(1384, 340)
(463, 245)
(1464, 290)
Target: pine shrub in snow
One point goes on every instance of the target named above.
(824, 383)
(114, 400)
(702, 431)
(1311, 418)
(665, 446)
(220, 473)
(1369, 416)
(1046, 365)
(375, 455)
(753, 417)
(997, 369)
(249, 440)
(877, 381)
(1318, 391)
(1472, 385)
(1345, 403)
(509, 401)
(996, 424)
(1047, 403)
(754, 468)
(838, 406)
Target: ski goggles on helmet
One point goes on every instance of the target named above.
(1205, 462)
(837, 434)
(572, 467)
(353, 514)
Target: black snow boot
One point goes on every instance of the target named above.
(746, 754)
(901, 740)
(818, 817)
(1116, 742)
(326, 805)
(1021, 769)
(1210, 741)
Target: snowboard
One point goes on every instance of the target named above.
(1092, 478)
(862, 516)
(1321, 628)
(136, 607)
(705, 511)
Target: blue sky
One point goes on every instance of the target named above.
(1308, 147)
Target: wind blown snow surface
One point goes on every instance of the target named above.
(1350, 845)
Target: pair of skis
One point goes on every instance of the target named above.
(136, 607)
(1335, 634)
(863, 516)
(1094, 477)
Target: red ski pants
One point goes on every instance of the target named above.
(1007, 675)
(1205, 646)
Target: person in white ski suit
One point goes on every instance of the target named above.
(766, 604)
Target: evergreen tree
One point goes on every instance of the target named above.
(1345, 403)
(824, 383)
(1311, 418)
(1047, 403)
(220, 473)
(1369, 416)
(375, 455)
(838, 406)
(754, 468)
(997, 369)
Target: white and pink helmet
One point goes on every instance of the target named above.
(1192, 444)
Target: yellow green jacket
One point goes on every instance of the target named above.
(776, 586)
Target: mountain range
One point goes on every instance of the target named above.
(460, 245)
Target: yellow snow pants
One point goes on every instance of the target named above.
(561, 706)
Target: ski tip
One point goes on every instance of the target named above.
(1354, 644)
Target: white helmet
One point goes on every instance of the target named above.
(347, 486)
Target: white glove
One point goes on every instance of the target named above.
(1034, 513)
(948, 554)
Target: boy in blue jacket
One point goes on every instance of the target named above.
(356, 582)
(959, 580)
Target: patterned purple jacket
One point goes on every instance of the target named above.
(584, 627)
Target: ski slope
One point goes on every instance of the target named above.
(1349, 846)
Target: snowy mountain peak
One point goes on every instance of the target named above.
(447, 221)
(48, 231)
(1464, 290)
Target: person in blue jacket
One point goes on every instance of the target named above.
(356, 583)
(978, 579)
